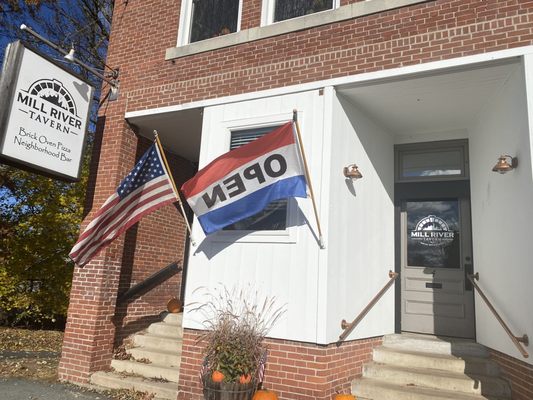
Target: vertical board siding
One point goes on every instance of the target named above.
(285, 270)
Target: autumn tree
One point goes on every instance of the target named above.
(39, 216)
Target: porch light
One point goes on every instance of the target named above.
(503, 166)
(352, 172)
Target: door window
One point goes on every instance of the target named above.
(433, 234)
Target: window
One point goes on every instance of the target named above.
(281, 10)
(287, 9)
(274, 216)
(205, 19)
(432, 161)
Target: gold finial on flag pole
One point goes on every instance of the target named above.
(176, 192)
(307, 177)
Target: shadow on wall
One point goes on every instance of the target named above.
(365, 131)
(216, 242)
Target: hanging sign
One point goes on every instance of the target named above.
(44, 110)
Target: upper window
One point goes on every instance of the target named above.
(281, 10)
(432, 161)
(205, 19)
(274, 216)
(287, 9)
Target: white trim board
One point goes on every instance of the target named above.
(433, 66)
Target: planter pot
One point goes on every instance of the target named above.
(227, 391)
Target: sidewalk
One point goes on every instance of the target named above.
(25, 389)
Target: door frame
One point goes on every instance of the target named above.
(432, 187)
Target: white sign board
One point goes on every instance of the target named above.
(43, 125)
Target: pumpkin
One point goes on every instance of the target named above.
(174, 305)
(245, 379)
(344, 397)
(264, 394)
(217, 376)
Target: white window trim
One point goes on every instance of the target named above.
(290, 233)
(184, 31)
(267, 11)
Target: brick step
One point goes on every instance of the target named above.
(146, 370)
(437, 379)
(111, 380)
(446, 362)
(163, 343)
(380, 390)
(436, 345)
(157, 356)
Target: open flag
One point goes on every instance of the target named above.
(245, 180)
(146, 188)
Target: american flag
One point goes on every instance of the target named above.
(146, 188)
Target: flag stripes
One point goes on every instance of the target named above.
(144, 190)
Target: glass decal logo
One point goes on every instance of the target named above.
(432, 231)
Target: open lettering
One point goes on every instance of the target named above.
(274, 166)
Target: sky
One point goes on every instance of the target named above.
(23, 18)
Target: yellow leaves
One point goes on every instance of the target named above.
(41, 217)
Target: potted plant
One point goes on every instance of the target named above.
(234, 349)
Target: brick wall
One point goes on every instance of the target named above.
(94, 322)
(294, 370)
(430, 31)
(519, 374)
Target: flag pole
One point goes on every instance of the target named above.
(160, 146)
(307, 177)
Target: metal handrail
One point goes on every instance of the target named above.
(348, 328)
(516, 339)
(151, 282)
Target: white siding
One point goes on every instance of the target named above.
(361, 223)
(502, 215)
(282, 266)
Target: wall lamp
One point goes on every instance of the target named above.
(352, 172)
(111, 77)
(503, 166)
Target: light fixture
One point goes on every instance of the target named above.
(70, 55)
(111, 77)
(352, 172)
(503, 166)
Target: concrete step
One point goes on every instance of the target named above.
(434, 344)
(173, 318)
(156, 356)
(146, 370)
(111, 380)
(437, 379)
(165, 329)
(163, 343)
(380, 390)
(469, 365)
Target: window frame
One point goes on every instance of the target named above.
(185, 23)
(290, 233)
(268, 8)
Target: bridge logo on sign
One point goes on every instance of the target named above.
(49, 103)
(432, 231)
